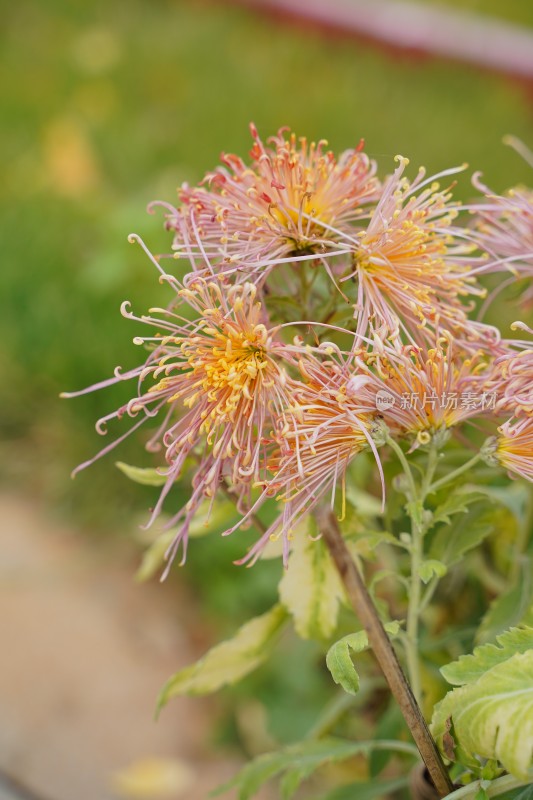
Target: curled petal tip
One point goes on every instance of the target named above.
(521, 326)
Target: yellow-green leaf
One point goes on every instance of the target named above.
(469, 668)
(229, 661)
(430, 568)
(145, 475)
(492, 717)
(310, 587)
(339, 660)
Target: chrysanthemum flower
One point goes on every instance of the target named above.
(294, 201)
(511, 380)
(504, 228)
(328, 426)
(514, 447)
(423, 390)
(411, 262)
(217, 380)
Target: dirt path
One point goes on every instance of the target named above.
(84, 651)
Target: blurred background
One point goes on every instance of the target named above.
(105, 107)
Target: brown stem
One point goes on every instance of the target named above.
(383, 650)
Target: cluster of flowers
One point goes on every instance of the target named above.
(313, 287)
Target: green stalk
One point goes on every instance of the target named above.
(455, 474)
(413, 491)
(418, 530)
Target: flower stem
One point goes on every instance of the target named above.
(364, 608)
(416, 496)
(406, 468)
(451, 476)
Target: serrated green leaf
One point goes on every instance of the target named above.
(229, 661)
(304, 757)
(493, 716)
(510, 608)
(456, 502)
(143, 475)
(310, 587)
(298, 762)
(451, 542)
(469, 668)
(430, 568)
(339, 661)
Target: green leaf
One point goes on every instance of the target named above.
(469, 668)
(456, 502)
(431, 567)
(298, 762)
(339, 661)
(144, 475)
(493, 716)
(514, 496)
(525, 793)
(511, 607)
(229, 661)
(367, 790)
(305, 757)
(310, 587)
(451, 542)
(520, 793)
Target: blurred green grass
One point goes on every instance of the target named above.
(108, 106)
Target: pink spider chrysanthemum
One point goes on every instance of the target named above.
(217, 381)
(504, 228)
(328, 426)
(511, 380)
(293, 202)
(411, 265)
(514, 447)
(421, 391)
